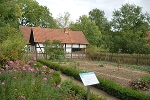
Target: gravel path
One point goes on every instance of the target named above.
(92, 89)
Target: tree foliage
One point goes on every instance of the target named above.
(12, 48)
(89, 29)
(9, 13)
(130, 27)
(98, 17)
(34, 14)
(54, 49)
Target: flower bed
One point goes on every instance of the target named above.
(33, 81)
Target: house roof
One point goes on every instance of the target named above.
(42, 34)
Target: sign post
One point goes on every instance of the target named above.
(88, 79)
(88, 92)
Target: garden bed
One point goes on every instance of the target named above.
(109, 71)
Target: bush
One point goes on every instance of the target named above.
(56, 78)
(12, 51)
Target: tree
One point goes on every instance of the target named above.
(9, 13)
(35, 15)
(63, 21)
(129, 26)
(89, 29)
(12, 48)
(54, 49)
(98, 17)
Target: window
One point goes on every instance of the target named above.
(76, 49)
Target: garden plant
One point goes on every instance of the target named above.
(33, 82)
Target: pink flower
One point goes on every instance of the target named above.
(45, 79)
(6, 67)
(10, 71)
(3, 83)
(22, 97)
(26, 66)
(0, 72)
(23, 68)
(11, 63)
(44, 67)
(58, 86)
(51, 71)
(32, 69)
(43, 72)
(17, 61)
(34, 58)
(15, 70)
(37, 70)
(28, 62)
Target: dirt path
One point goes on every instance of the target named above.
(96, 91)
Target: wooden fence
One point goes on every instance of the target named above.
(75, 55)
(135, 59)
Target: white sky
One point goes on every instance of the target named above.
(77, 8)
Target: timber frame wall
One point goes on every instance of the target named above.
(38, 51)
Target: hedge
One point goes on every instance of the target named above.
(106, 85)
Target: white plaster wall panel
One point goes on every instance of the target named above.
(75, 46)
(82, 46)
(68, 45)
(39, 45)
(68, 50)
(40, 50)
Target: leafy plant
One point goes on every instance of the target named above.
(54, 50)
(12, 50)
(34, 82)
(138, 84)
(146, 78)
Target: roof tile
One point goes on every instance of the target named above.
(42, 34)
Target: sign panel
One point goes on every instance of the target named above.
(89, 78)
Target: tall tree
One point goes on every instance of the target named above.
(63, 20)
(34, 14)
(130, 28)
(9, 13)
(89, 29)
(98, 17)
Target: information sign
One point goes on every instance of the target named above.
(89, 78)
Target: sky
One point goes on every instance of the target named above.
(77, 8)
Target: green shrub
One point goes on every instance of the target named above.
(56, 78)
(79, 90)
(146, 78)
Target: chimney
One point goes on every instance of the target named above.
(66, 30)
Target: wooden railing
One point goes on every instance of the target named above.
(135, 59)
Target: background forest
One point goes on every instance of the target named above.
(125, 33)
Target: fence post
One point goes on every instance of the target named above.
(137, 59)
